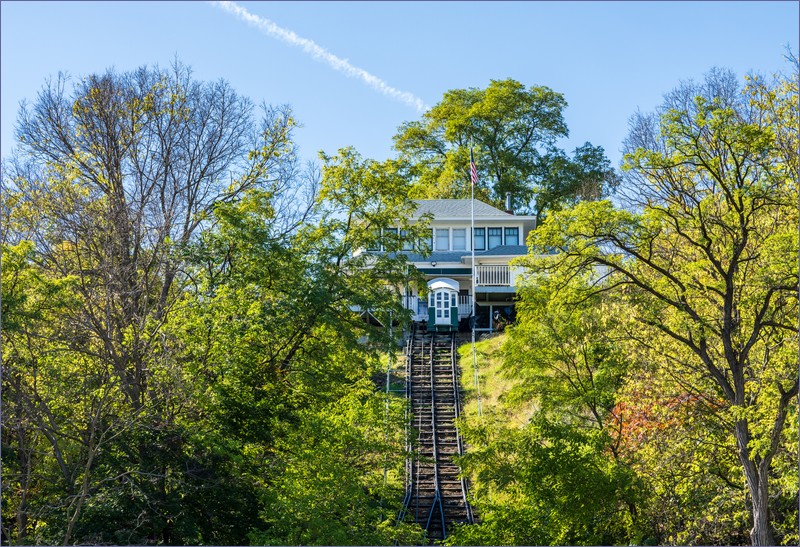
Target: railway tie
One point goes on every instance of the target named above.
(436, 496)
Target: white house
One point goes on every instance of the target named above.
(499, 236)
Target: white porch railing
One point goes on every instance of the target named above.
(419, 307)
(492, 276)
(464, 306)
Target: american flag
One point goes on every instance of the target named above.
(473, 171)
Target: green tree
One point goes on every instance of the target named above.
(586, 176)
(61, 410)
(182, 305)
(513, 130)
(125, 167)
(708, 261)
(111, 181)
(683, 454)
(561, 478)
(567, 356)
(274, 336)
(546, 484)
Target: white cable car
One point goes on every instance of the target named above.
(443, 305)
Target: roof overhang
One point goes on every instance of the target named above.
(482, 218)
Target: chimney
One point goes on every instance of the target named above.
(509, 210)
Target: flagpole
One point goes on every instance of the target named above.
(473, 178)
(472, 203)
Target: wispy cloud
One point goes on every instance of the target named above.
(318, 52)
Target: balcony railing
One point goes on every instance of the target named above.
(493, 276)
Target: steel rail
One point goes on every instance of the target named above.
(437, 492)
(457, 411)
(419, 439)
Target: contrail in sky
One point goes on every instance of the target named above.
(268, 27)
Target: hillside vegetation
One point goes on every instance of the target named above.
(656, 344)
(185, 361)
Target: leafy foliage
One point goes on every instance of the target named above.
(548, 484)
(706, 264)
(513, 130)
(185, 359)
(560, 478)
(184, 356)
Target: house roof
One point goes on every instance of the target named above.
(443, 257)
(436, 256)
(458, 208)
(504, 250)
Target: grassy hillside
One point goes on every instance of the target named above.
(493, 383)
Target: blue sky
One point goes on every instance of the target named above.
(607, 58)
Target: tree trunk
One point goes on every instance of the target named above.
(762, 533)
(758, 486)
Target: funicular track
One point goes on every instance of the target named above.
(435, 495)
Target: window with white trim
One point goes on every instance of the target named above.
(495, 237)
(479, 238)
(512, 236)
(459, 239)
(442, 239)
(429, 241)
(408, 244)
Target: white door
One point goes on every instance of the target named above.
(442, 304)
